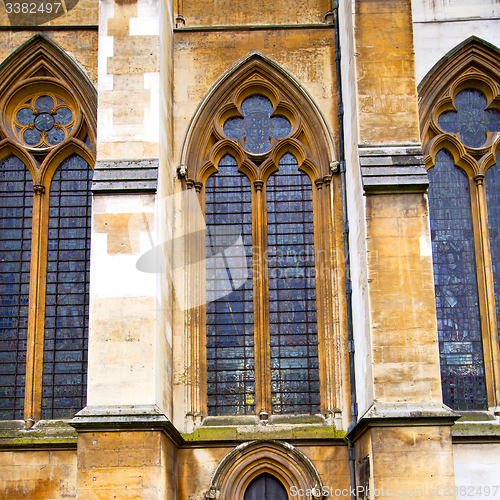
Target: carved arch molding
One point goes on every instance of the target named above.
(472, 66)
(278, 458)
(308, 139)
(48, 110)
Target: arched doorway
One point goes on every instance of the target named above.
(265, 487)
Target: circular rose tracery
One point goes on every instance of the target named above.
(43, 121)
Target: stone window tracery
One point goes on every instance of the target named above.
(460, 125)
(258, 159)
(46, 152)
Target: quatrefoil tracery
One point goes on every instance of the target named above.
(258, 127)
(471, 119)
(43, 121)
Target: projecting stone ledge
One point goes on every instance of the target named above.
(125, 176)
(393, 169)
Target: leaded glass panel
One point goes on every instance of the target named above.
(455, 282)
(492, 183)
(257, 127)
(472, 120)
(292, 291)
(16, 210)
(230, 330)
(67, 298)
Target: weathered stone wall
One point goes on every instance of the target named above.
(404, 328)
(197, 466)
(126, 465)
(230, 12)
(40, 475)
(385, 68)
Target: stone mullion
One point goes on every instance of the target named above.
(199, 351)
(324, 352)
(195, 331)
(263, 402)
(486, 295)
(36, 315)
(330, 307)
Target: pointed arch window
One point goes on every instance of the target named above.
(46, 157)
(259, 158)
(460, 122)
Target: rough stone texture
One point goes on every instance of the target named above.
(403, 314)
(412, 458)
(128, 116)
(387, 102)
(126, 465)
(38, 475)
(80, 45)
(230, 13)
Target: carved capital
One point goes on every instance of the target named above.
(258, 184)
(38, 189)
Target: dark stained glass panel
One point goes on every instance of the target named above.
(257, 127)
(492, 183)
(67, 299)
(16, 211)
(471, 119)
(292, 291)
(457, 302)
(230, 330)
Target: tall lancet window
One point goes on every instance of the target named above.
(16, 210)
(457, 301)
(460, 122)
(292, 290)
(266, 341)
(47, 126)
(230, 319)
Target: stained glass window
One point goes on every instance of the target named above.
(16, 207)
(230, 330)
(257, 126)
(67, 299)
(292, 291)
(43, 121)
(471, 119)
(492, 184)
(459, 329)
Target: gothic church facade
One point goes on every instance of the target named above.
(249, 249)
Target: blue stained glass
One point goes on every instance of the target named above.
(44, 103)
(455, 282)
(66, 315)
(257, 127)
(229, 319)
(63, 116)
(492, 185)
(292, 296)
(24, 116)
(44, 122)
(471, 119)
(32, 137)
(15, 184)
(55, 136)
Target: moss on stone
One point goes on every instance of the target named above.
(253, 432)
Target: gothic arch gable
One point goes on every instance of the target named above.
(256, 74)
(248, 460)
